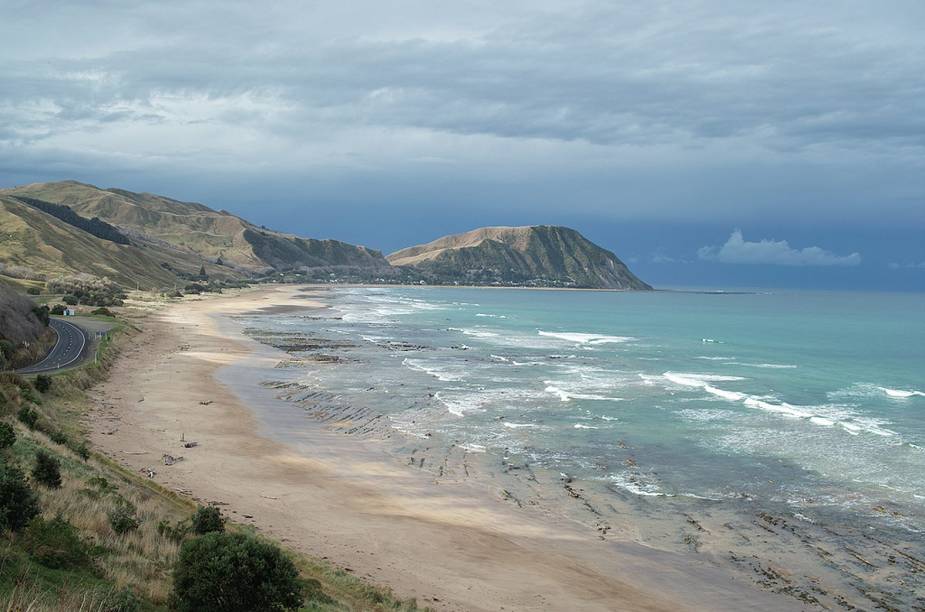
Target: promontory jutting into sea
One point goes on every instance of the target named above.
(517, 306)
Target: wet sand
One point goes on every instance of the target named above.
(192, 375)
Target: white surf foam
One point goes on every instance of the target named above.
(823, 416)
(585, 338)
(900, 393)
(581, 426)
(637, 485)
(479, 333)
(491, 316)
(510, 425)
(567, 396)
(440, 373)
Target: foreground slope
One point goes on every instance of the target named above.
(195, 232)
(539, 255)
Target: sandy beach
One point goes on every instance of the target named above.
(450, 546)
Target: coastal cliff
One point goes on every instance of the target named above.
(539, 255)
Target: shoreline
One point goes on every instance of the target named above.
(343, 500)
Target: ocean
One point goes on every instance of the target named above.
(805, 405)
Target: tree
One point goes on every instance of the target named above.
(28, 417)
(70, 300)
(47, 470)
(122, 518)
(18, 503)
(42, 383)
(55, 543)
(234, 572)
(202, 272)
(41, 313)
(208, 519)
(7, 435)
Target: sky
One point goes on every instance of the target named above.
(715, 143)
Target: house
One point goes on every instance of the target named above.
(69, 312)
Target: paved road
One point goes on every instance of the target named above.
(72, 341)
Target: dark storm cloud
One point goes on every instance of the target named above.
(679, 108)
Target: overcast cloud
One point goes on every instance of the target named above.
(715, 112)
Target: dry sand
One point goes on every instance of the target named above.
(449, 546)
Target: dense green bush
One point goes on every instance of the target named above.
(175, 532)
(47, 470)
(58, 309)
(55, 543)
(7, 435)
(27, 416)
(123, 601)
(103, 312)
(82, 450)
(42, 383)
(70, 300)
(41, 313)
(122, 518)
(234, 572)
(208, 519)
(58, 438)
(18, 503)
(34, 291)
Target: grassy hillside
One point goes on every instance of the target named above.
(197, 231)
(541, 255)
(48, 246)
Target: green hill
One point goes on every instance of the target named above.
(198, 230)
(145, 239)
(541, 255)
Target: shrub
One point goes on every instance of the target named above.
(123, 601)
(88, 289)
(234, 572)
(70, 300)
(58, 309)
(28, 417)
(104, 312)
(47, 470)
(82, 450)
(41, 313)
(55, 543)
(34, 291)
(42, 383)
(208, 519)
(176, 532)
(58, 438)
(7, 435)
(18, 503)
(122, 518)
(7, 348)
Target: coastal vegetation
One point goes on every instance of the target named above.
(78, 531)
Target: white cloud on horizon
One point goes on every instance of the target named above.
(737, 250)
(907, 266)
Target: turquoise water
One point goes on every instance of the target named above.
(814, 400)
